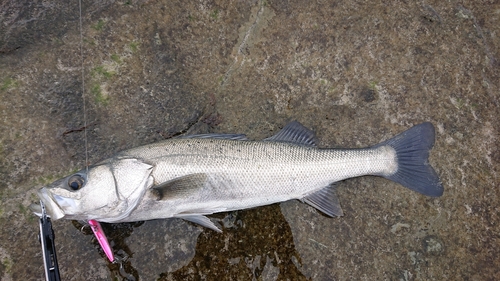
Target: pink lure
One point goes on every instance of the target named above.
(101, 237)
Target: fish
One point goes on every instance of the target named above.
(190, 177)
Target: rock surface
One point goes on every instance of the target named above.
(355, 72)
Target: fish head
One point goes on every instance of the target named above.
(106, 192)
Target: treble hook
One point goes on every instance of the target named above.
(119, 260)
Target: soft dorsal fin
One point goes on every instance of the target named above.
(201, 220)
(295, 133)
(179, 187)
(326, 201)
(217, 136)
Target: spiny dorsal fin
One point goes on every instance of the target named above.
(326, 201)
(179, 187)
(295, 133)
(217, 136)
(201, 220)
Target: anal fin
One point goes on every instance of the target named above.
(326, 201)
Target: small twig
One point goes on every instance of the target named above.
(318, 243)
(78, 129)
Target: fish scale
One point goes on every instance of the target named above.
(261, 160)
(193, 176)
(244, 174)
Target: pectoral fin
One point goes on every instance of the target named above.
(180, 187)
(326, 201)
(201, 220)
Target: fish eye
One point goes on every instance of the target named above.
(76, 182)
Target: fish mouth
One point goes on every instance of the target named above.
(53, 210)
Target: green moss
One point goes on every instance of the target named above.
(22, 209)
(8, 83)
(95, 90)
(215, 14)
(34, 197)
(45, 180)
(26, 212)
(99, 97)
(134, 46)
(100, 70)
(373, 85)
(99, 25)
(116, 58)
(18, 136)
(7, 263)
(90, 42)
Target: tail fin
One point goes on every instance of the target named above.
(414, 171)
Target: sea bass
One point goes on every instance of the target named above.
(193, 176)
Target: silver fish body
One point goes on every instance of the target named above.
(194, 176)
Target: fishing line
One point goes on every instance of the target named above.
(120, 261)
(83, 92)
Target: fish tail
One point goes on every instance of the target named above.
(414, 171)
